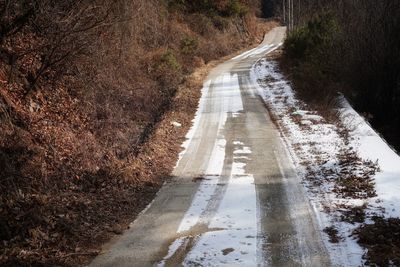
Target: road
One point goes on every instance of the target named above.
(235, 199)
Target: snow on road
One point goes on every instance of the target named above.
(235, 244)
(231, 221)
(195, 121)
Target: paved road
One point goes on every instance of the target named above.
(236, 200)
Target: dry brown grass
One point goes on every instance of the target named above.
(356, 176)
(333, 234)
(86, 150)
(382, 239)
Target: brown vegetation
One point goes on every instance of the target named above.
(382, 238)
(356, 177)
(88, 91)
(333, 234)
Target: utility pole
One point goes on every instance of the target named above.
(289, 19)
(284, 11)
(292, 15)
(299, 12)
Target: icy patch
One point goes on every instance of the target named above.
(195, 121)
(244, 150)
(172, 249)
(199, 204)
(229, 93)
(217, 158)
(251, 52)
(231, 238)
(235, 114)
(236, 244)
(206, 189)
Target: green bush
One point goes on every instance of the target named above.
(189, 45)
(296, 43)
(220, 23)
(177, 4)
(169, 61)
(310, 50)
(193, 6)
(235, 8)
(168, 72)
(210, 7)
(312, 39)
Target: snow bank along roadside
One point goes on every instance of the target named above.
(338, 163)
(371, 146)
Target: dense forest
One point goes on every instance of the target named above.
(351, 47)
(85, 91)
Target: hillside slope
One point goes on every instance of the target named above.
(88, 92)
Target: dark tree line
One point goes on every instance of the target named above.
(363, 57)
